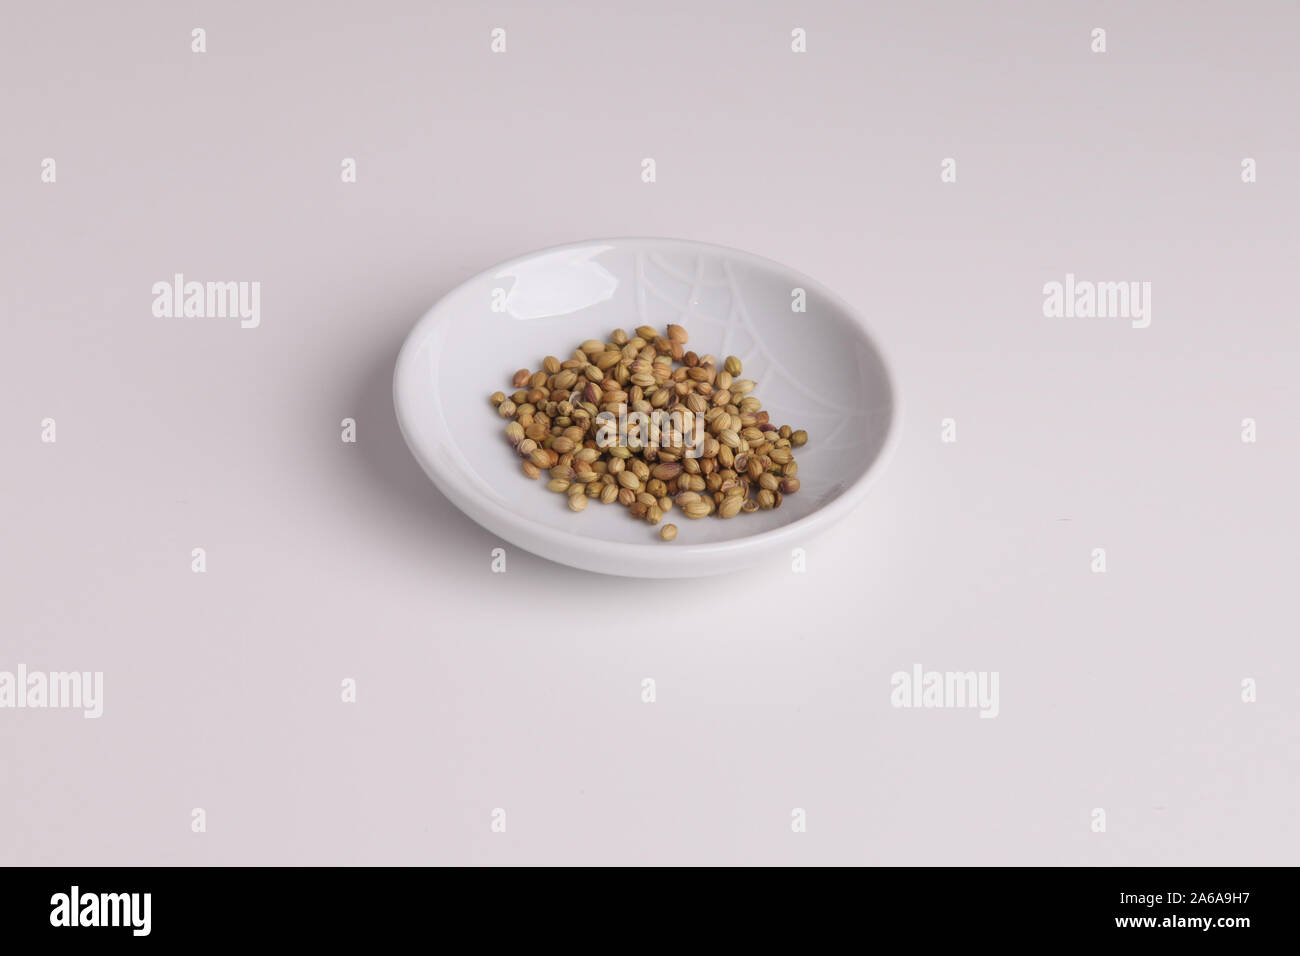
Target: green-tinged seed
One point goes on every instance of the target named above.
(744, 463)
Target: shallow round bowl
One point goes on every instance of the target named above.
(815, 366)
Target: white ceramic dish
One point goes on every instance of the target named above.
(817, 369)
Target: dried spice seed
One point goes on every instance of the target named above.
(745, 462)
(668, 532)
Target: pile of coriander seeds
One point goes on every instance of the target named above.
(742, 463)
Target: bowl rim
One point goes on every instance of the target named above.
(513, 527)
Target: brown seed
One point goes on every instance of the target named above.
(577, 502)
(744, 462)
(668, 532)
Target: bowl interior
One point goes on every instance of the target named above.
(814, 369)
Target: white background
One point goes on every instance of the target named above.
(522, 690)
